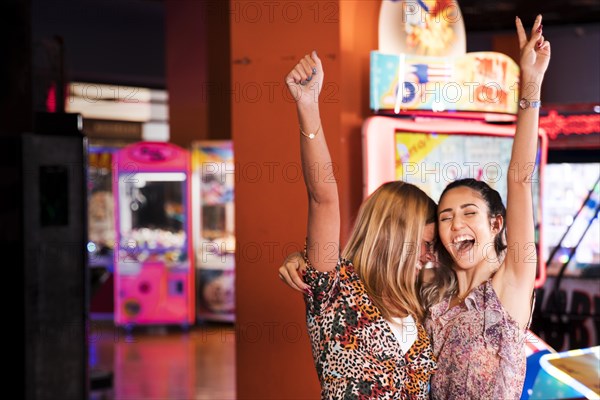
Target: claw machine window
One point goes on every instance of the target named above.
(213, 166)
(101, 229)
(154, 272)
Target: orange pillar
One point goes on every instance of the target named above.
(274, 359)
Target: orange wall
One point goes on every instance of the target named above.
(273, 352)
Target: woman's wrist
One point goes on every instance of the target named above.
(531, 87)
(309, 119)
(308, 110)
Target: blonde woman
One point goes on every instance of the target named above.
(363, 310)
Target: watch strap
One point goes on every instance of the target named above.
(535, 103)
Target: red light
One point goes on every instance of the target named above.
(555, 124)
(51, 98)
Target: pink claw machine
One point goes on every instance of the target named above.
(154, 267)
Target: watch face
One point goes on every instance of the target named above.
(523, 103)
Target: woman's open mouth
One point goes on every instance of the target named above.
(463, 243)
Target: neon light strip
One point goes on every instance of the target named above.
(556, 124)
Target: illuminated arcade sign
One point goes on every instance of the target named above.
(422, 64)
(556, 124)
(423, 27)
(474, 82)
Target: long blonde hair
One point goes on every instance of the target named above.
(384, 246)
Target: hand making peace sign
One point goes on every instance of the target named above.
(535, 52)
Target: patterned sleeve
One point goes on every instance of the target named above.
(324, 286)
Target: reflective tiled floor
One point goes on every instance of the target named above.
(164, 363)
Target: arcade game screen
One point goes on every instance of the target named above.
(570, 207)
(431, 161)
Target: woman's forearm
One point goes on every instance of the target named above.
(522, 162)
(317, 167)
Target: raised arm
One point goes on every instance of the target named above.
(521, 259)
(305, 81)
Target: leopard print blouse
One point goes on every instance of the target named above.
(355, 351)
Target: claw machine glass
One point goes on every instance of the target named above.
(213, 166)
(154, 270)
(101, 229)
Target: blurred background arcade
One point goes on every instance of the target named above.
(152, 186)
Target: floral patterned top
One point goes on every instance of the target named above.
(356, 354)
(480, 348)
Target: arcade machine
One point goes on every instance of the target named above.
(44, 238)
(154, 269)
(442, 114)
(568, 312)
(431, 153)
(213, 224)
(101, 230)
(572, 374)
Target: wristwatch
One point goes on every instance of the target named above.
(524, 103)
